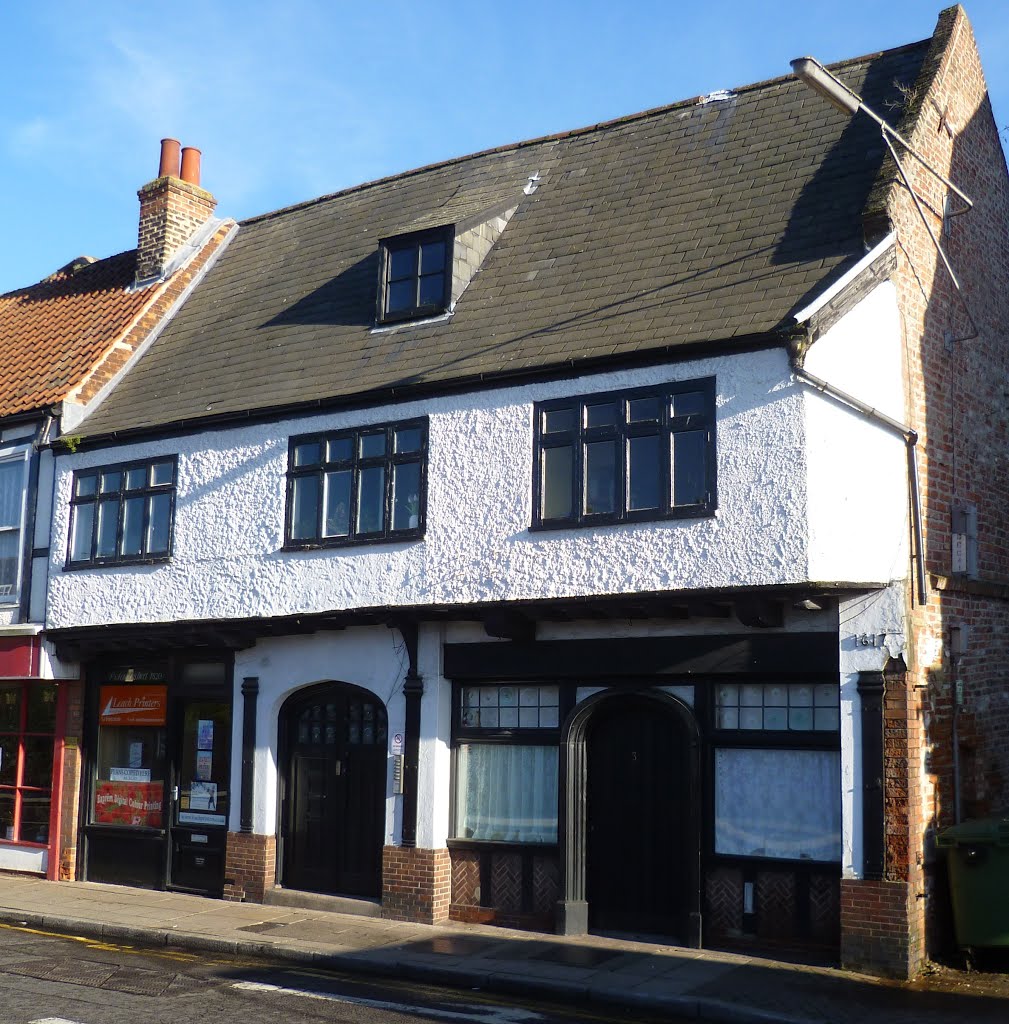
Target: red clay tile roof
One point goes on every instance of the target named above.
(53, 333)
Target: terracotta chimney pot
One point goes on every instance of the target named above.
(191, 165)
(169, 158)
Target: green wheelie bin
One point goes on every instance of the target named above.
(977, 856)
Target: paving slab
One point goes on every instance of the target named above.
(709, 985)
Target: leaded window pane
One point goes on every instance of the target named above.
(159, 527)
(371, 500)
(304, 507)
(600, 477)
(687, 467)
(336, 521)
(406, 496)
(84, 522)
(133, 526)
(108, 526)
(558, 475)
(643, 472)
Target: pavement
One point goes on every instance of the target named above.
(701, 984)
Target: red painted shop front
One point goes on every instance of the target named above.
(33, 718)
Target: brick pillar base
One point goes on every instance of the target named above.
(880, 932)
(416, 884)
(249, 866)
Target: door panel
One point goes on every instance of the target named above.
(638, 814)
(335, 773)
(200, 795)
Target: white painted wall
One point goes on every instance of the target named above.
(871, 630)
(859, 526)
(370, 657)
(228, 561)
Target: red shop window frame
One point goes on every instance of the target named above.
(18, 789)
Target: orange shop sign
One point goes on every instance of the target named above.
(132, 705)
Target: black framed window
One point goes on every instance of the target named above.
(506, 763)
(356, 486)
(777, 770)
(625, 456)
(123, 513)
(13, 485)
(416, 275)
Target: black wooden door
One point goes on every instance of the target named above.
(638, 874)
(335, 767)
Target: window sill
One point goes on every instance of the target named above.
(498, 844)
(687, 512)
(784, 863)
(353, 542)
(420, 320)
(120, 563)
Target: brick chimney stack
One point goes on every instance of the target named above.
(172, 208)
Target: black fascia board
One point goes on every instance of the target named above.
(393, 394)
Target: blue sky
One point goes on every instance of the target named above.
(290, 100)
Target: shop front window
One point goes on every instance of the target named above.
(506, 763)
(27, 729)
(130, 777)
(777, 770)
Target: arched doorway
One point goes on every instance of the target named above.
(333, 782)
(632, 803)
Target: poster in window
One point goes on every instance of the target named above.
(204, 764)
(205, 734)
(203, 796)
(129, 803)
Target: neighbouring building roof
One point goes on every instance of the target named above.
(53, 333)
(702, 223)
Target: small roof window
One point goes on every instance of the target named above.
(416, 275)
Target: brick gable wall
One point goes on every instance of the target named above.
(956, 400)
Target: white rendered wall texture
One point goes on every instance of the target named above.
(859, 527)
(228, 560)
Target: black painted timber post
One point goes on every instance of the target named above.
(250, 696)
(413, 691)
(870, 692)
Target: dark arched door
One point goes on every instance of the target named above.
(640, 838)
(334, 768)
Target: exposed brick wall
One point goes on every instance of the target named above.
(955, 400)
(876, 921)
(416, 884)
(249, 866)
(70, 795)
(170, 211)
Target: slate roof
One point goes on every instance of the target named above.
(697, 224)
(53, 333)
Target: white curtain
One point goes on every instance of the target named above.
(778, 803)
(506, 793)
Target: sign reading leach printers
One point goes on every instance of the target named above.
(132, 705)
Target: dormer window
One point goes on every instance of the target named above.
(416, 275)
